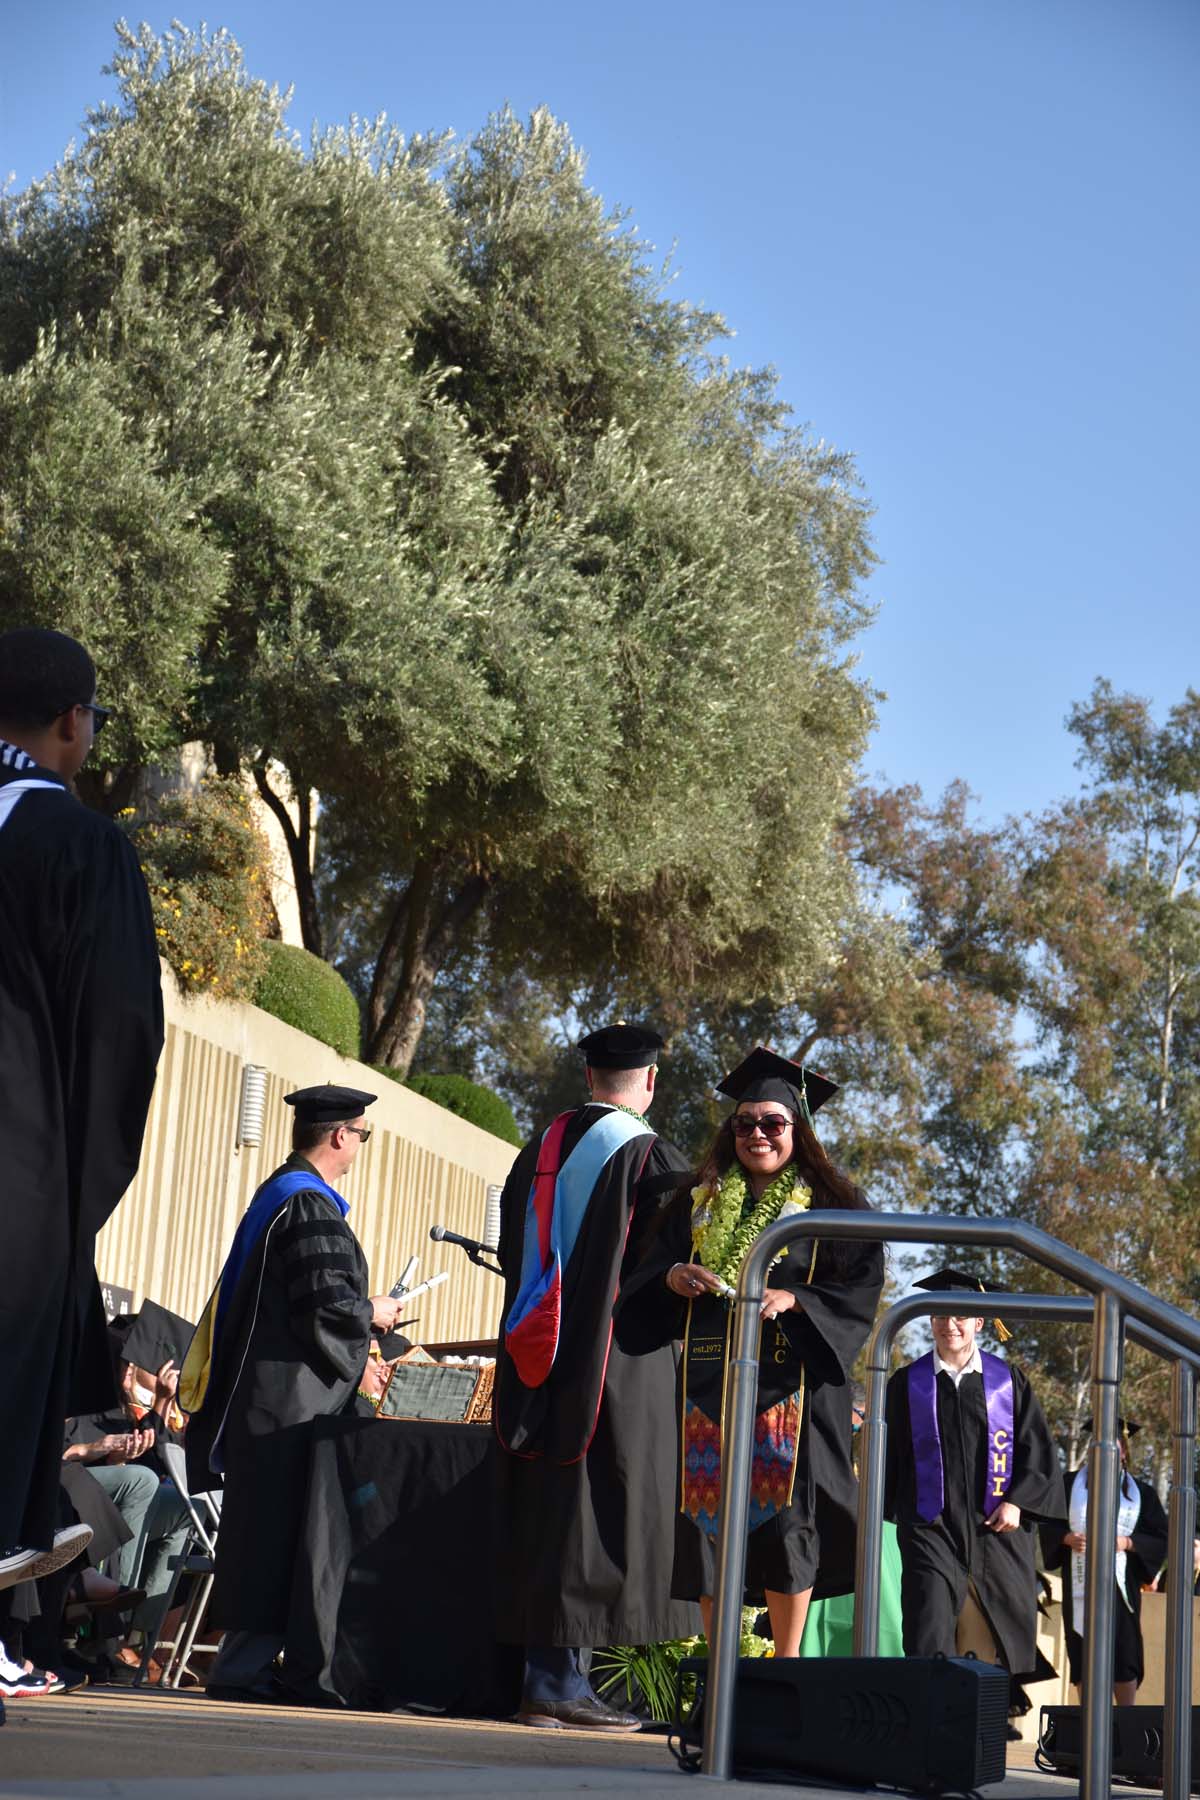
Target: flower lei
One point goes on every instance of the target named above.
(723, 1230)
(631, 1110)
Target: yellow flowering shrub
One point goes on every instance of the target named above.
(205, 864)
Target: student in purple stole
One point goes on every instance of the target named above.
(971, 1469)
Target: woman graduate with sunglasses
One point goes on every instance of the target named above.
(765, 1163)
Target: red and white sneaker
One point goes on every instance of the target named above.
(19, 1683)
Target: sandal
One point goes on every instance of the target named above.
(129, 1658)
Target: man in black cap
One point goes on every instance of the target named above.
(81, 1028)
(586, 1471)
(283, 1341)
(971, 1468)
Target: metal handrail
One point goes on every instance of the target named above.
(1116, 1299)
(1177, 1736)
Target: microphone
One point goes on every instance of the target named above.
(440, 1235)
(475, 1250)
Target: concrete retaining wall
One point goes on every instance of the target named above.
(423, 1165)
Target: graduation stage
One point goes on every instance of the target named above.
(114, 1744)
(392, 1602)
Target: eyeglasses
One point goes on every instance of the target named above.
(100, 714)
(772, 1125)
(360, 1131)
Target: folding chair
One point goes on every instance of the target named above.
(197, 1558)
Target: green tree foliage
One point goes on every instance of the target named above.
(446, 509)
(1113, 884)
(1012, 1012)
(303, 991)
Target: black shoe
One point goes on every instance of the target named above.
(244, 1696)
(587, 1714)
(1012, 1734)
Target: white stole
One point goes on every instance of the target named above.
(1127, 1517)
(12, 793)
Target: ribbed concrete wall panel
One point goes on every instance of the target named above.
(423, 1166)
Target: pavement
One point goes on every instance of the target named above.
(114, 1744)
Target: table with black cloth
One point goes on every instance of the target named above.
(392, 1604)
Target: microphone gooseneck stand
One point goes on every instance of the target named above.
(473, 1251)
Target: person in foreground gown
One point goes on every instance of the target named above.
(81, 1027)
(765, 1163)
(1141, 1547)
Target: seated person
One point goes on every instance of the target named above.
(129, 1443)
(382, 1357)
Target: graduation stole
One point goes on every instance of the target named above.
(554, 1215)
(269, 1201)
(1129, 1511)
(927, 1437)
(777, 1427)
(11, 793)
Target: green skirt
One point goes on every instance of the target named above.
(829, 1628)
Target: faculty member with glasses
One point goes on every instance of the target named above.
(283, 1341)
(765, 1163)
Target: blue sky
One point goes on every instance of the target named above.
(964, 233)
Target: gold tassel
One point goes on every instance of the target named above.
(1002, 1331)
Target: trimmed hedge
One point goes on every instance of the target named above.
(476, 1104)
(303, 991)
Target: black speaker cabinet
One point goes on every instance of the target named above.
(934, 1725)
(1137, 1742)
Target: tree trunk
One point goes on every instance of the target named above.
(299, 847)
(109, 791)
(422, 933)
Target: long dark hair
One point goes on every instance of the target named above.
(831, 1186)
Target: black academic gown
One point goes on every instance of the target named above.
(291, 1349)
(1142, 1564)
(940, 1557)
(810, 1350)
(81, 1027)
(585, 1547)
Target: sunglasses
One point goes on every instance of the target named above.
(772, 1125)
(360, 1131)
(100, 714)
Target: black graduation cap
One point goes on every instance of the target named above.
(393, 1343)
(1127, 1427)
(944, 1281)
(621, 1047)
(152, 1337)
(329, 1105)
(766, 1076)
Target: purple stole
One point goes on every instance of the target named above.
(927, 1438)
